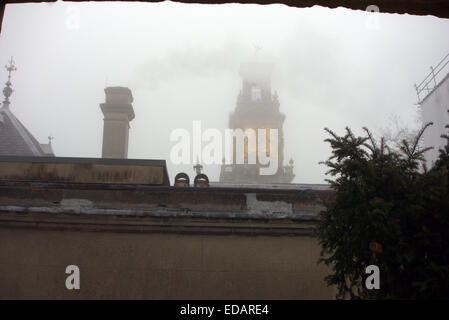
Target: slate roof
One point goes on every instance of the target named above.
(16, 140)
(47, 149)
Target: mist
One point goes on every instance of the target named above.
(333, 68)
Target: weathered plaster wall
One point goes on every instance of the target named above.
(84, 170)
(159, 266)
(143, 242)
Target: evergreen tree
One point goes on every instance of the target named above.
(386, 199)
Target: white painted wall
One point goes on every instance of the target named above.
(435, 108)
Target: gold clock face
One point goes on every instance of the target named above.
(251, 149)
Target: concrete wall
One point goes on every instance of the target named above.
(149, 242)
(159, 266)
(84, 170)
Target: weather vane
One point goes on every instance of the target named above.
(257, 48)
(7, 91)
(198, 167)
(10, 68)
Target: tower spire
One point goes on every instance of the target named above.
(7, 91)
(257, 48)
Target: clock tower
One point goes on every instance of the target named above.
(257, 108)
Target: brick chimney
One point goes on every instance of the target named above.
(118, 112)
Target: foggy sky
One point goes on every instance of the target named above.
(333, 68)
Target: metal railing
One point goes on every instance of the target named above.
(430, 82)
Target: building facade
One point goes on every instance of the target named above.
(435, 108)
(136, 240)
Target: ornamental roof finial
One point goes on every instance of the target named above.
(7, 91)
(198, 167)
